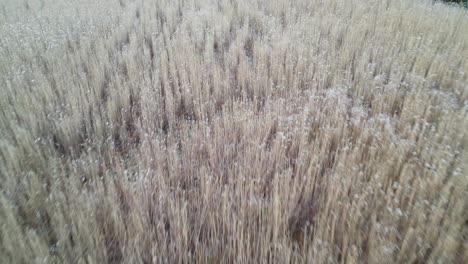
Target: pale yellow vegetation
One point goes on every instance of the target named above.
(250, 131)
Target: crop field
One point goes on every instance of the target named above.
(233, 131)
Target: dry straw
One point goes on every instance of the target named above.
(190, 131)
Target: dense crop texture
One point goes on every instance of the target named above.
(202, 131)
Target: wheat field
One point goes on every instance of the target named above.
(233, 131)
